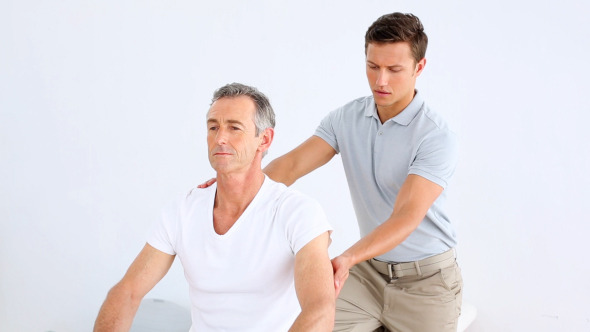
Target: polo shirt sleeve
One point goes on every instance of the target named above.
(163, 233)
(304, 220)
(326, 130)
(436, 157)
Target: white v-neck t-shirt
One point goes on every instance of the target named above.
(241, 280)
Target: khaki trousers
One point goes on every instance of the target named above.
(370, 301)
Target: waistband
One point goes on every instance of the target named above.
(416, 268)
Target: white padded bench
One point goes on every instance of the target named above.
(468, 314)
(155, 315)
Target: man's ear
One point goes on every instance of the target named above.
(266, 139)
(420, 67)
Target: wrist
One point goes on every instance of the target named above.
(348, 259)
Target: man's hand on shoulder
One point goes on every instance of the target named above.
(207, 183)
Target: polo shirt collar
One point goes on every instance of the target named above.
(406, 116)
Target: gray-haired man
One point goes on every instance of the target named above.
(255, 253)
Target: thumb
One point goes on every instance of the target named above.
(338, 283)
(339, 277)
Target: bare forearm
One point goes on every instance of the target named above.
(279, 170)
(382, 239)
(311, 154)
(412, 203)
(117, 312)
(320, 318)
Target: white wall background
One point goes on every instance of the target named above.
(102, 122)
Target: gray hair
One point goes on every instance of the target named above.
(264, 117)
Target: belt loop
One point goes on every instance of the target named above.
(417, 265)
(390, 270)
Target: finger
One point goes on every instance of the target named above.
(207, 183)
(337, 291)
(344, 278)
(339, 283)
(338, 280)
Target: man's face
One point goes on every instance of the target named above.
(231, 134)
(392, 73)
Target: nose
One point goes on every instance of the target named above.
(382, 78)
(221, 136)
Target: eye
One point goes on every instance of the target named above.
(235, 128)
(212, 128)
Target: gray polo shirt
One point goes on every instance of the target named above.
(377, 158)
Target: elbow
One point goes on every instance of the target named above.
(324, 313)
(281, 170)
(118, 310)
(329, 315)
(124, 294)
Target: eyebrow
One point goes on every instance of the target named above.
(227, 121)
(392, 66)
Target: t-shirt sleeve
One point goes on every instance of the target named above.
(304, 220)
(436, 157)
(163, 232)
(326, 130)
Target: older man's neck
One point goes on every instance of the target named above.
(235, 191)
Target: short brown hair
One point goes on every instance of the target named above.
(399, 27)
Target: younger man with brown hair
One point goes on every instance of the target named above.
(398, 156)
